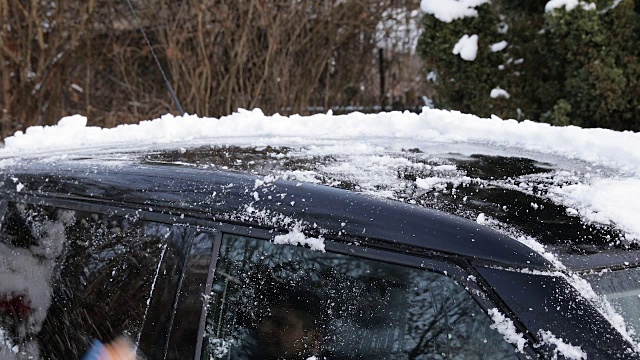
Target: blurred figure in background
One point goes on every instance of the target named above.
(119, 349)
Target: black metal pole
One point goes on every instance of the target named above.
(382, 84)
(164, 76)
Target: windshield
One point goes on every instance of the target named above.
(622, 289)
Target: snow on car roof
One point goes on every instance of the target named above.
(436, 158)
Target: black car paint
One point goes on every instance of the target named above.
(181, 190)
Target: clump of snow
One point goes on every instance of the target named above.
(74, 121)
(568, 5)
(296, 237)
(449, 10)
(265, 180)
(219, 348)
(499, 46)
(499, 93)
(444, 168)
(481, 219)
(605, 201)
(561, 348)
(432, 76)
(431, 182)
(467, 47)
(507, 329)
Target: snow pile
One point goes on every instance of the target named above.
(370, 144)
(449, 10)
(296, 237)
(499, 93)
(499, 46)
(606, 201)
(466, 47)
(507, 329)
(568, 351)
(599, 146)
(568, 5)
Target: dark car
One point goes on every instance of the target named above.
(205, 254)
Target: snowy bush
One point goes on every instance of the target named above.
(566, 63)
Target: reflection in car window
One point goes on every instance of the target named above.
(78, 275)
(284, 302)
(622, 289)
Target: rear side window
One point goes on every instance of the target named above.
(72, 276)
(279, 302)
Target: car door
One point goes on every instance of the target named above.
(271, 301)
(73, 272)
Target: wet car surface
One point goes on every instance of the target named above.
(191, 253)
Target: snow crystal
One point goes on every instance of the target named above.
(296, 237)
(467, 47)
(499, 46)
(499, 93)
(567, 350)
(507, 329)
(568, 5)
(449, 10)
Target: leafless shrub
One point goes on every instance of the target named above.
(62, 57)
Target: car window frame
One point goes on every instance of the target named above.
(459, 271)
(452, 266)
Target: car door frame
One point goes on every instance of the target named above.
(454, 267)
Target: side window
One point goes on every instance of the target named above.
(278, 301)
(71, 276)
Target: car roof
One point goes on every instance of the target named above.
(495, 184)
(250, 188)
(279, 204)
(568, 192)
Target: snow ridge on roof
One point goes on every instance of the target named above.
(352, 134)
(601, 146)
